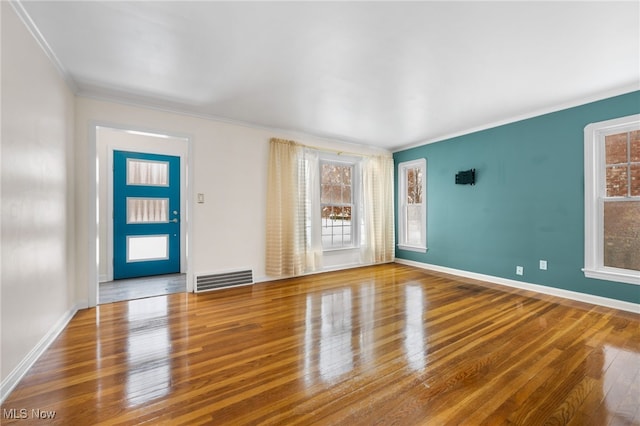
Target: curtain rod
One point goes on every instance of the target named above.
(335, 151)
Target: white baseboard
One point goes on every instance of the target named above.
(334, 268)
(12, 380)
(552, 291)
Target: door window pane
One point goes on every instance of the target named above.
(147, 210)
(147, 247)
(145, 172)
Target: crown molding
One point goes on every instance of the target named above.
(42, 42)
(173, 109)
(547, 110)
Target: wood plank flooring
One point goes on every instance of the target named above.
(380, 345)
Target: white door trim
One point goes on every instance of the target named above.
(173, 144)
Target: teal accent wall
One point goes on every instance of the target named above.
(527, 204)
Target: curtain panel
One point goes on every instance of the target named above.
(313, 255)
(285, 211)
(378, 245)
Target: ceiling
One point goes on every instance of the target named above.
(387, 74)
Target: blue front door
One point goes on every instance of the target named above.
(146, 216)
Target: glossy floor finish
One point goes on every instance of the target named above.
(388, 344)
(138, 288)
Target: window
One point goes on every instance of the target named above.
(612, 200)
(337, 205)
(412, 205)
(326, 210)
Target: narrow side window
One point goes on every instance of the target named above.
(412, 205)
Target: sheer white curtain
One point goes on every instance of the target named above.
(142, 172)
(377, 208)
(286, 215)
(314, 212)
(294, 246)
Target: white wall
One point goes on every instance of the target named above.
(37, 278)
(229, 167)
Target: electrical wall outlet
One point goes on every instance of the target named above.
(543, 265)
(519, 270)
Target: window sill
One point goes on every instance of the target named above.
(617, 275)
(340, 249)
(412, 248)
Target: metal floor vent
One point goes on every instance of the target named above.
(227, 279)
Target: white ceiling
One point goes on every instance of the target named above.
(388, 74)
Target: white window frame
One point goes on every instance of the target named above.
(355, 196)
(402, 205)
(594, 195)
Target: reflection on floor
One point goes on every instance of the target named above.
(138, 288)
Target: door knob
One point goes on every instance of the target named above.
(174, 220)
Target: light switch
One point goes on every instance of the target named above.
(200, 198)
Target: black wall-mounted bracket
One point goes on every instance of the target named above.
(467, 177)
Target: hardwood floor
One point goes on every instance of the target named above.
(388, 344)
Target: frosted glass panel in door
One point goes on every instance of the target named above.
(148, 247)
(147, 210)
(146, 172)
